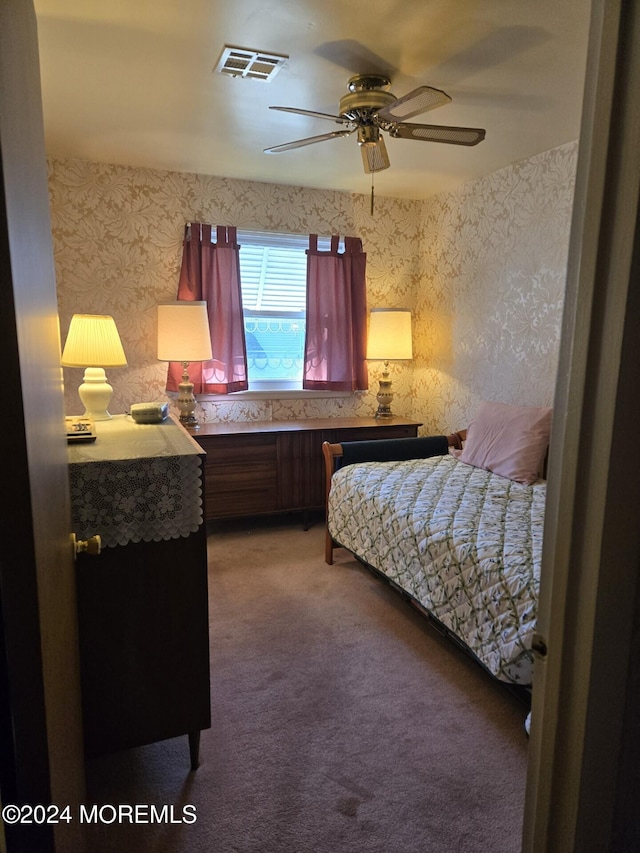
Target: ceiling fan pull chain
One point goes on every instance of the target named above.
(372, 174)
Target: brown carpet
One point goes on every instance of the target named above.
(341, 721)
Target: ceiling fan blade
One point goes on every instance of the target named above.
(418, 101)
(374, 156)
(313, 114)
(299, 143)
(439, 133)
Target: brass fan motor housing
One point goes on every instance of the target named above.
(367, 82)
(367, 94)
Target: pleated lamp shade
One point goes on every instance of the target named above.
(93, 342)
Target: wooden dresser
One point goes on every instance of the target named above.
(143, 601)
(260, 467)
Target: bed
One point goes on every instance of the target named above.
(460, 540)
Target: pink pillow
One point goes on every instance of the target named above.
(509, 440)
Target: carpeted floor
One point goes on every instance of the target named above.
(341, 721)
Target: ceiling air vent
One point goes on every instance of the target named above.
(254, 64)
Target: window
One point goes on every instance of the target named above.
(273, 275)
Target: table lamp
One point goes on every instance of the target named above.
(184, 336)
(389, 339)
(93, 342)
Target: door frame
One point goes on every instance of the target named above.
(582, 786)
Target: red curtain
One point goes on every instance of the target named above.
(211, 272)
(335, 346)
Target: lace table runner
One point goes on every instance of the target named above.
(136, 482)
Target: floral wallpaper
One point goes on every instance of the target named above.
(482, 268)
(117, 235)
(488, 307)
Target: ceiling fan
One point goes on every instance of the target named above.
(370, 108)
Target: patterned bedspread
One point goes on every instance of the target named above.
(462, 541)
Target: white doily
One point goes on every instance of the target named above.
(140, 496)
(141, 500)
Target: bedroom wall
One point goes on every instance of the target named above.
(117, 235)
(489, 305)
(483, 269)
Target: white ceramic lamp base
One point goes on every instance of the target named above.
(95, 394)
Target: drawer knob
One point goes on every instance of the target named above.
(91, 546)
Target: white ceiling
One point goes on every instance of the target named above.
(131, 82)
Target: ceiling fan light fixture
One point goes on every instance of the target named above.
(374, 156)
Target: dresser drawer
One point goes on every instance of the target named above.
(253, 501)
(241, 488)
(249, 448)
